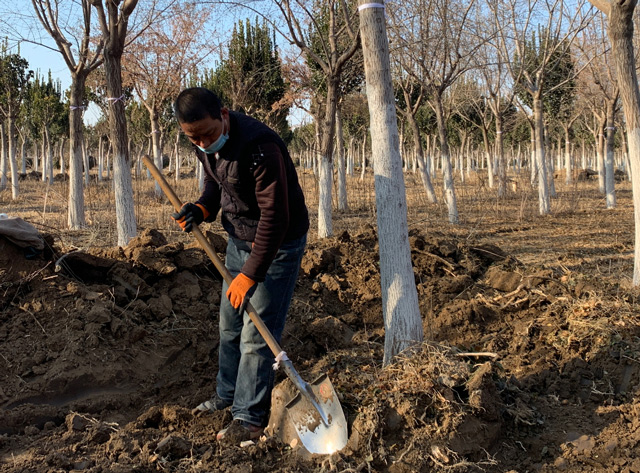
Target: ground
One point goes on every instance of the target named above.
(531, 361)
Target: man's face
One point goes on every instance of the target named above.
(204, 132)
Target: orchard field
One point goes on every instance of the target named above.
(532, 359)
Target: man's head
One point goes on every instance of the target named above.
(196, 103)
(202, 118)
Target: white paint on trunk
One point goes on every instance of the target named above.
(325, 185)
(403, 323)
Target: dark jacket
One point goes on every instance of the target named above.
(253, 180)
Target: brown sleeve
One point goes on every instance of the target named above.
(273, 201)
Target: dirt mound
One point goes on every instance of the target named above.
(105, 353)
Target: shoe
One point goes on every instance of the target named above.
(239, 431)
(212, 405)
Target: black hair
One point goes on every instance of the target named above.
(196, 103)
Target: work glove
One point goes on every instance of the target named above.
(189, 214)
(240, 289)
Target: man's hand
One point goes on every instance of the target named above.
(189, 214)
(241, 288)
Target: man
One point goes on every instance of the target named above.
(250, 176)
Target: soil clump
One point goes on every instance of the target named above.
(527, 368)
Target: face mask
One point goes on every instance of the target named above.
(216, 145)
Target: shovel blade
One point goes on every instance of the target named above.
(316, 435)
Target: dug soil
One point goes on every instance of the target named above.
(532, 361)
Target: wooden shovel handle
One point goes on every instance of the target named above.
(206, 246)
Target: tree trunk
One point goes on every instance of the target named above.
(487, 153)
(12, 152)
(63, 141)
(176, 152)
(100, 158)
(568, 162)
(419, 155)
(325, 184)
(447, 173)
(3, 156)
(125, 210)
(609, 167)
(541, 161)
(502, 163)
(23, 154)
(401, 312)
(155, 142)
(45, 161)
(342, 178)
(363, 162)
(621, 36)
(601, 149)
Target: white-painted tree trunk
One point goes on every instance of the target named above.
(600, 157)
(620, 25)
(176, 153)
(609, 168)
(568, 160)
(544, 203)
(100, 158)
(447, 172)
(45, 156)
(363, 165)
(325, 181)
(342, 178)
(12, 152)
(63, 142)
(87, 164)
(75, 213)
(3, 156)
(23, 154)
(402, 320)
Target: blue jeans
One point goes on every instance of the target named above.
(245, 374)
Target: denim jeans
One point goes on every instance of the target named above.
(245, 374)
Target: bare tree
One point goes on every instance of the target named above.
(156, 64)
(82, 54)
(620, 28)
(601, 91)
(440, 39)
(114, 22)
(413, 95)
(553, 27)
(402, 321)
(331, 52)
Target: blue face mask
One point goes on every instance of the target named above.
(216, 145)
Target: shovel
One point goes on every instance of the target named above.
(315, 411)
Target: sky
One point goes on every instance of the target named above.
(44, 60)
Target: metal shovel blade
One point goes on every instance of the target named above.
(316, 434)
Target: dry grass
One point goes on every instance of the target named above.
(579, 233)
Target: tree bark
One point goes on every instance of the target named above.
(3, 155)
(114, 31)
(75, 213)
(620, 19)
(609, 167)
(342, 178)
(325, 183)
(402, 320)
(12, 152)
(447, 172)
(541, 160)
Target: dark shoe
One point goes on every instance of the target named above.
(212, 405)
(239, 431)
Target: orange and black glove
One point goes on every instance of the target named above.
(240, 289)
(189, 214)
